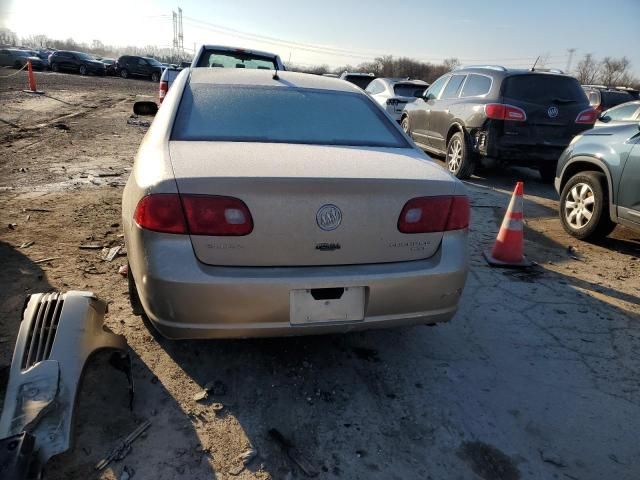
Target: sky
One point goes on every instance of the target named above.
(338, 32)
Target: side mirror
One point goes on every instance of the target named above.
(145, 108)
(604, 118)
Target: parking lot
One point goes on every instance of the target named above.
(535, 378)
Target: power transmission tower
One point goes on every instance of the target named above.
(180, 34)
(571, 51)
(174, 46)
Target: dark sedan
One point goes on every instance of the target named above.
(80, 62)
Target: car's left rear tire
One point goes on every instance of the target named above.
(134, 299)
(155, 77)
(460, 159)
(404, 123)
(83, 70)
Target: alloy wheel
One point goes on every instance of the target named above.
(405, 125)
(579, 205)
(454, 156)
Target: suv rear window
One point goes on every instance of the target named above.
(282, 115)
(361, 81)
(611, 99)
(408, 89)
(543, 89)
(235, 59)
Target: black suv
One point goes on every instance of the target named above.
(603, 98)
(64, 60)
(519, 117)
(128, 65)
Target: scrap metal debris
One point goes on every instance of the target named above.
(91, 246)
(26, 244)
(294, 454)
(111, 253)
(139, 123)
(121, 450)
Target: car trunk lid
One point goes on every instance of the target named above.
(285, 188)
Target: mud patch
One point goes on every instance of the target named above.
(488, 462)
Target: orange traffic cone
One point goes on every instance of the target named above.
(32, 79)
(508, 250)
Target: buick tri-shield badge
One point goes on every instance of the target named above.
(329, 217)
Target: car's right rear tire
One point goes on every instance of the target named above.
(584, 206)
(124, 73)
(460, 159)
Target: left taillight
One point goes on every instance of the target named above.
(588, 116)
(161, 213)
(194, 215)
(162, 92)
(434, 214)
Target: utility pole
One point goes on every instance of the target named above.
(571, 51)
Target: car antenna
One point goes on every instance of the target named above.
(535, 63)
(275, 74)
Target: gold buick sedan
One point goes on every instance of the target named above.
(267, 203)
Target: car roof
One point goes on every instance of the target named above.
(264, 78)
(502, 72)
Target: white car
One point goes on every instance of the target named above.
(394, 93)
(623, 113)
(216, 56)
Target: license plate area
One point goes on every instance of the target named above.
(326, 305)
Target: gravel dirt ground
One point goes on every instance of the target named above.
(535, 378)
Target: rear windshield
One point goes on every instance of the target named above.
(282, 115)
(544, 89)
(361, 81)
(611, 99)
(408, 89)
(227, 59)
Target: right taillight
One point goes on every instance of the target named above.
(434, 214)
(589, 116)
(194, 215)
(502, 111)
(162, 92)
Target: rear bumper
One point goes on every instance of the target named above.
(518, 150)
(184, 298)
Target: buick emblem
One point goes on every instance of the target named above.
(329, 217)
(552, 111)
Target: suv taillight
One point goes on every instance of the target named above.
(588, 116)
(434, 214)
(162, 92)
(194, 215)
(501, 111)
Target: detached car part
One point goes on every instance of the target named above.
(58, 334)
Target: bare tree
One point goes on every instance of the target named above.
(451, 63)
(614, 71)
(588, 69)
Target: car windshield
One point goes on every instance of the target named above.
(361, 81)
(544, 89)
(408, 89)
(153, 61)
(235, 59)
(282, 115)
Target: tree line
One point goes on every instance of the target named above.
(610, 71)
